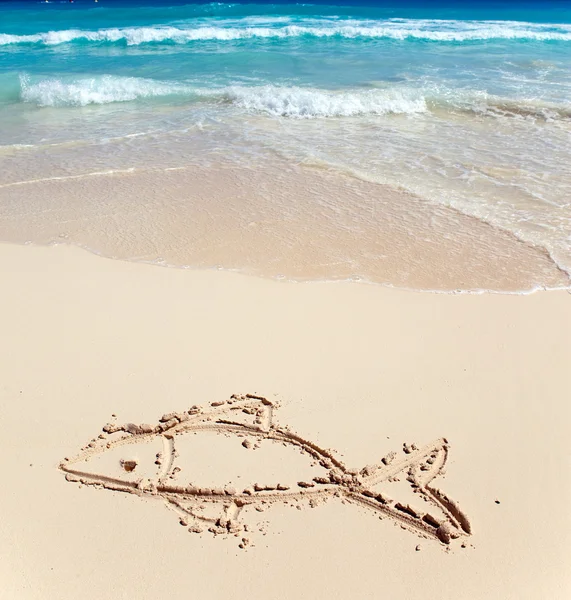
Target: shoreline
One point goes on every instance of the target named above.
(294, 223)
(284, 280)
(358, 369)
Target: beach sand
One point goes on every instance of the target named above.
(357, 368)
(297, 223)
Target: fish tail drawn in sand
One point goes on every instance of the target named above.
(250, 417)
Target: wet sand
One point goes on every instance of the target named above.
(278, 221)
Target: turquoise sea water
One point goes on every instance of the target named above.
(466, 106)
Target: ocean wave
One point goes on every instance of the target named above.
(523, 108)
(481, 103)
(437, 31)
(314, 103)
(286, 101)
(105, 89)
(269, 99)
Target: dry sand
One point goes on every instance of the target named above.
(356, 369)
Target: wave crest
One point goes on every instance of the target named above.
(95, 90)
(438, 31)
(312, 103)
(286, 101)
(295, 102)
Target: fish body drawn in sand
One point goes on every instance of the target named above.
(250, 417)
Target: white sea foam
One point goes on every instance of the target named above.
(439, 31)
(274, 100)
(286, 101)
(311, 103)
(96, 90)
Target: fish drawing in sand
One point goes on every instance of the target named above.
(250, 420)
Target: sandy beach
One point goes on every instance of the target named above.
(285, 300)
(358, 369)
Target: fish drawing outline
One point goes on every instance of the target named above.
(420, 465)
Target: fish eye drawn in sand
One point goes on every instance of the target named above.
(250, 420)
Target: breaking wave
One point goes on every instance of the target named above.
(285, 101)
(313, 103)
(105, 89)
(270, 99)
(438, 31)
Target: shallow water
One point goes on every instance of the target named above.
(468, 110)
